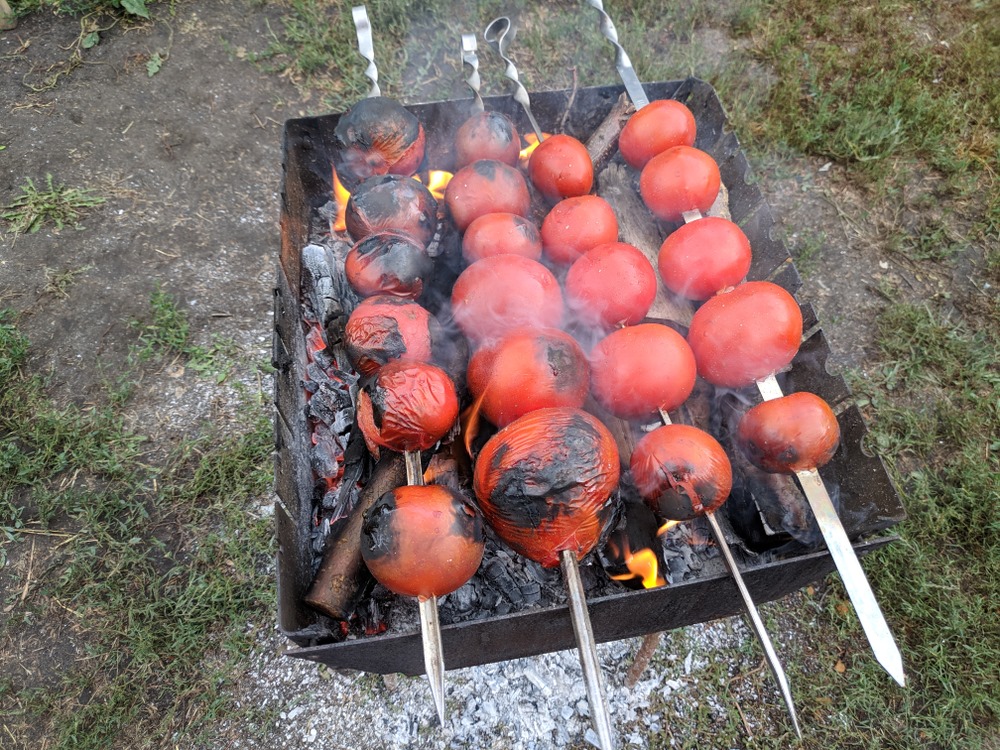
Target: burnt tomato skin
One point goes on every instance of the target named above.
(793, 433)
(545, 483)
(501, 234)
(680, 179)
(560, 167)
(376, 136)
(575, 226)
(487, 135)
(681, 472)
(384, 328)
(746, 334)
(485, 187)
(391, 203)
(528, 370)
(502, 293)
(660, 125)
(408, 407)
(704, 257)
(388, 263)
(422, 540)
(609, 285)
(638, 369)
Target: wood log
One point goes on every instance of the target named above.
(603, 142)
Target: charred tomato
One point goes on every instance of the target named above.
(501, 234)
(680, 179)
(384, 328)
(793, 433)
(704, 257)
(391, 203)
(560, 167)
(376, 136)
(485, 187)
(660, 125)
(609, 285)
(575, 225)
(388, 263)
(487, 135)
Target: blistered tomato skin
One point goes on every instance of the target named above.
(422, 540)
(391, 203)
(560, 167)
(610, 285)
(486, 187)
(793, 433)
(659, 126)
(577, 225)
(746, 334)
(376, 136)
(681, 471)
(704, 257)
(388, 263)
(501, 234)
(502, 293)
(528, 370)
(638, 369)
(487, 135)
(384, 328)
(679, 179)
(545, 482)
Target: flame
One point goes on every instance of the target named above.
(341, 196)
(666, 527)
(641, 564)
(314, 341)
(470, 422)
(532, 140)
(437, 181)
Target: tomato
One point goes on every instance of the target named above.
(505, 292)
(704, 257)
(681, 471)
(611, 284)
(487, 135)
(384, 328)
(658, 126)
(376, 136)
(638, 369)
(391, 203)
(560, 167)
(422, 540)
(388, 263)
(408, 407)
(527, 370)
(486, 187)
(501, 234)
(545, 483)
(746, 334)
(679, 179)
(575, 225)
(788, 434)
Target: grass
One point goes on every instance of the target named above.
(56, 205)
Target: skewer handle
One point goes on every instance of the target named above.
(622, 61)
(366, 46)
(499, 34)
(471, 61)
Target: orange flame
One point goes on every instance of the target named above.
(470, 422)
(643, 565)
(532, 140)
(341, 196)
(437, 181)
(666, 527)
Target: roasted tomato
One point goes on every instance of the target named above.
(528, 370)
(486, 187)
(704, 257)
(376, 136)
(789, 434)
(391, 203)
(609, 285)
(388, 263)
(422, 540)
(576, 225)
(560, 167)
(408, 407)
(384, 328)
(501, 234)
(544, 483)
(487, 135)
(681, 471)
(503, 293)
(678, 180)
(638, 369)
(658, 126)
(746, 334)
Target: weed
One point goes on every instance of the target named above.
(57, 283)
(55, 204)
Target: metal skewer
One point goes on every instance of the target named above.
(366, 46)
(499, 34)
(471, 61)
(622, 60)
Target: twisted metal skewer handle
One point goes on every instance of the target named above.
(499, 35)
(470, 60)
(366, 46)
(622, 61)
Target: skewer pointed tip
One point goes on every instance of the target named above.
(430, 632)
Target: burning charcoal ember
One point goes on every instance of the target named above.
(326, 294)
(376, 136)
(390, 203)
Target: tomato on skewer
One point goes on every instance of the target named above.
(576, 225)
(610, 285)
(660, 125)
(793, 433)
(487, 135)
(678, 180)
(560, 167)
(704, 257)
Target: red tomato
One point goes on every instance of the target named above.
(487, 135)
(422, 540)
(486, 187)
(746, 334)
(704, 257)
(653, 129)
(611, 284)
(388, 263)
(528, 370)
(502, 293)
(681, 471)
(376, 136)
(408, 407)
(501, 234)
(638, 369)
(384, 328)
(793, 433)
(560, 167)
(678, 180)
(576, 225)
(544, 483)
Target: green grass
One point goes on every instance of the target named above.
(56, 205)
(136, 8)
